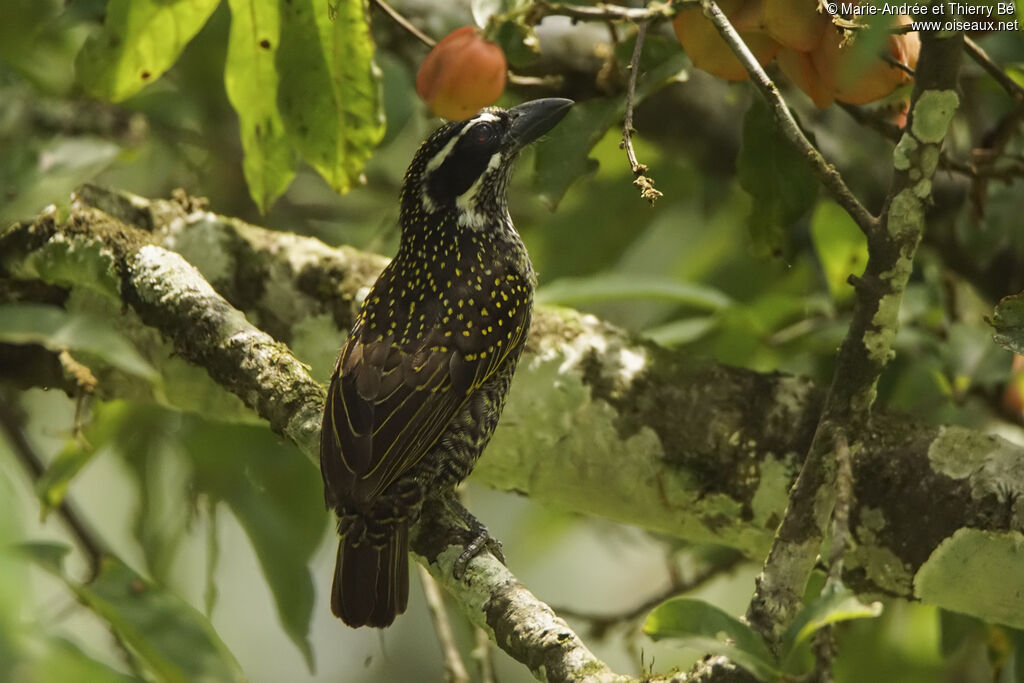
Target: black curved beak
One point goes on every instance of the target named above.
(532, 119)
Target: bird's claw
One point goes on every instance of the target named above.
(481, 541)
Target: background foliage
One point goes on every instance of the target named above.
(742, 260)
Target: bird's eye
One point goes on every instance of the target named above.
(484, 133)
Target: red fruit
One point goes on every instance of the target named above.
(709, 52)
(461, 74)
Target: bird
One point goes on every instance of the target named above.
(421, 381)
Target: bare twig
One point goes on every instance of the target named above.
(640, 179)
(825, 172)
(407, 25)
(482, 655)
(550, 81)
(454, 669)
(90, 544)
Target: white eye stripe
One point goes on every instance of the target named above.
(442, 154)
(484, 116)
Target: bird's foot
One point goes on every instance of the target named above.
(480, 539)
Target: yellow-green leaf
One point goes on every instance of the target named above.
(329, 93)
(139, 41)
(251, 79)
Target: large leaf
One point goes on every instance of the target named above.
(58, 330)
(171, 639)
(701, 626)
(561, 157)
(1008, 321)
(330, 97)
(139, 41)
(776, 176)
(251, 79)
(618, 287)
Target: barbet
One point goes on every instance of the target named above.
(422, 379)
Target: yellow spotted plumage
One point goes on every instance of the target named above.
(421, 382)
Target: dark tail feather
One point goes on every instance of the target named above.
(371, 585)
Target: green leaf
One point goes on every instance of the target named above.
(62, 660)
(776, 176)
(561, 157)
(271, 498)
(172, 639)
(841, 247)
(618, 287)
(139, 41)
(833, 605)
(57, 330)
(956, 629)
(52, 486)
(330, 100)
(49, 556)
(706, 628)
(518, 41)
(110, 422)
(1008, 321)
(251, 80)
(680, 332)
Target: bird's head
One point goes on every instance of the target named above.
(462, 169)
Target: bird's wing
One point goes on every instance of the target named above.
(387, 405)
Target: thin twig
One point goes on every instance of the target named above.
(601, 623)
(549, 81)
(397, 17)
(93, 548)
(482, 655)
(978, 54)
(825, 172)
(640, 179)
(602, 12)
(454, 669)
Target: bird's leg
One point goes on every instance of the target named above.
(481, 539)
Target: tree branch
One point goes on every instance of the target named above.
(867, 347)
(712, 449)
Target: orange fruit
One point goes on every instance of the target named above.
(709, 52)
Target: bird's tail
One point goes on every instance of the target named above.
(371, 577)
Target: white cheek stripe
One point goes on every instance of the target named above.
(439, 158)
